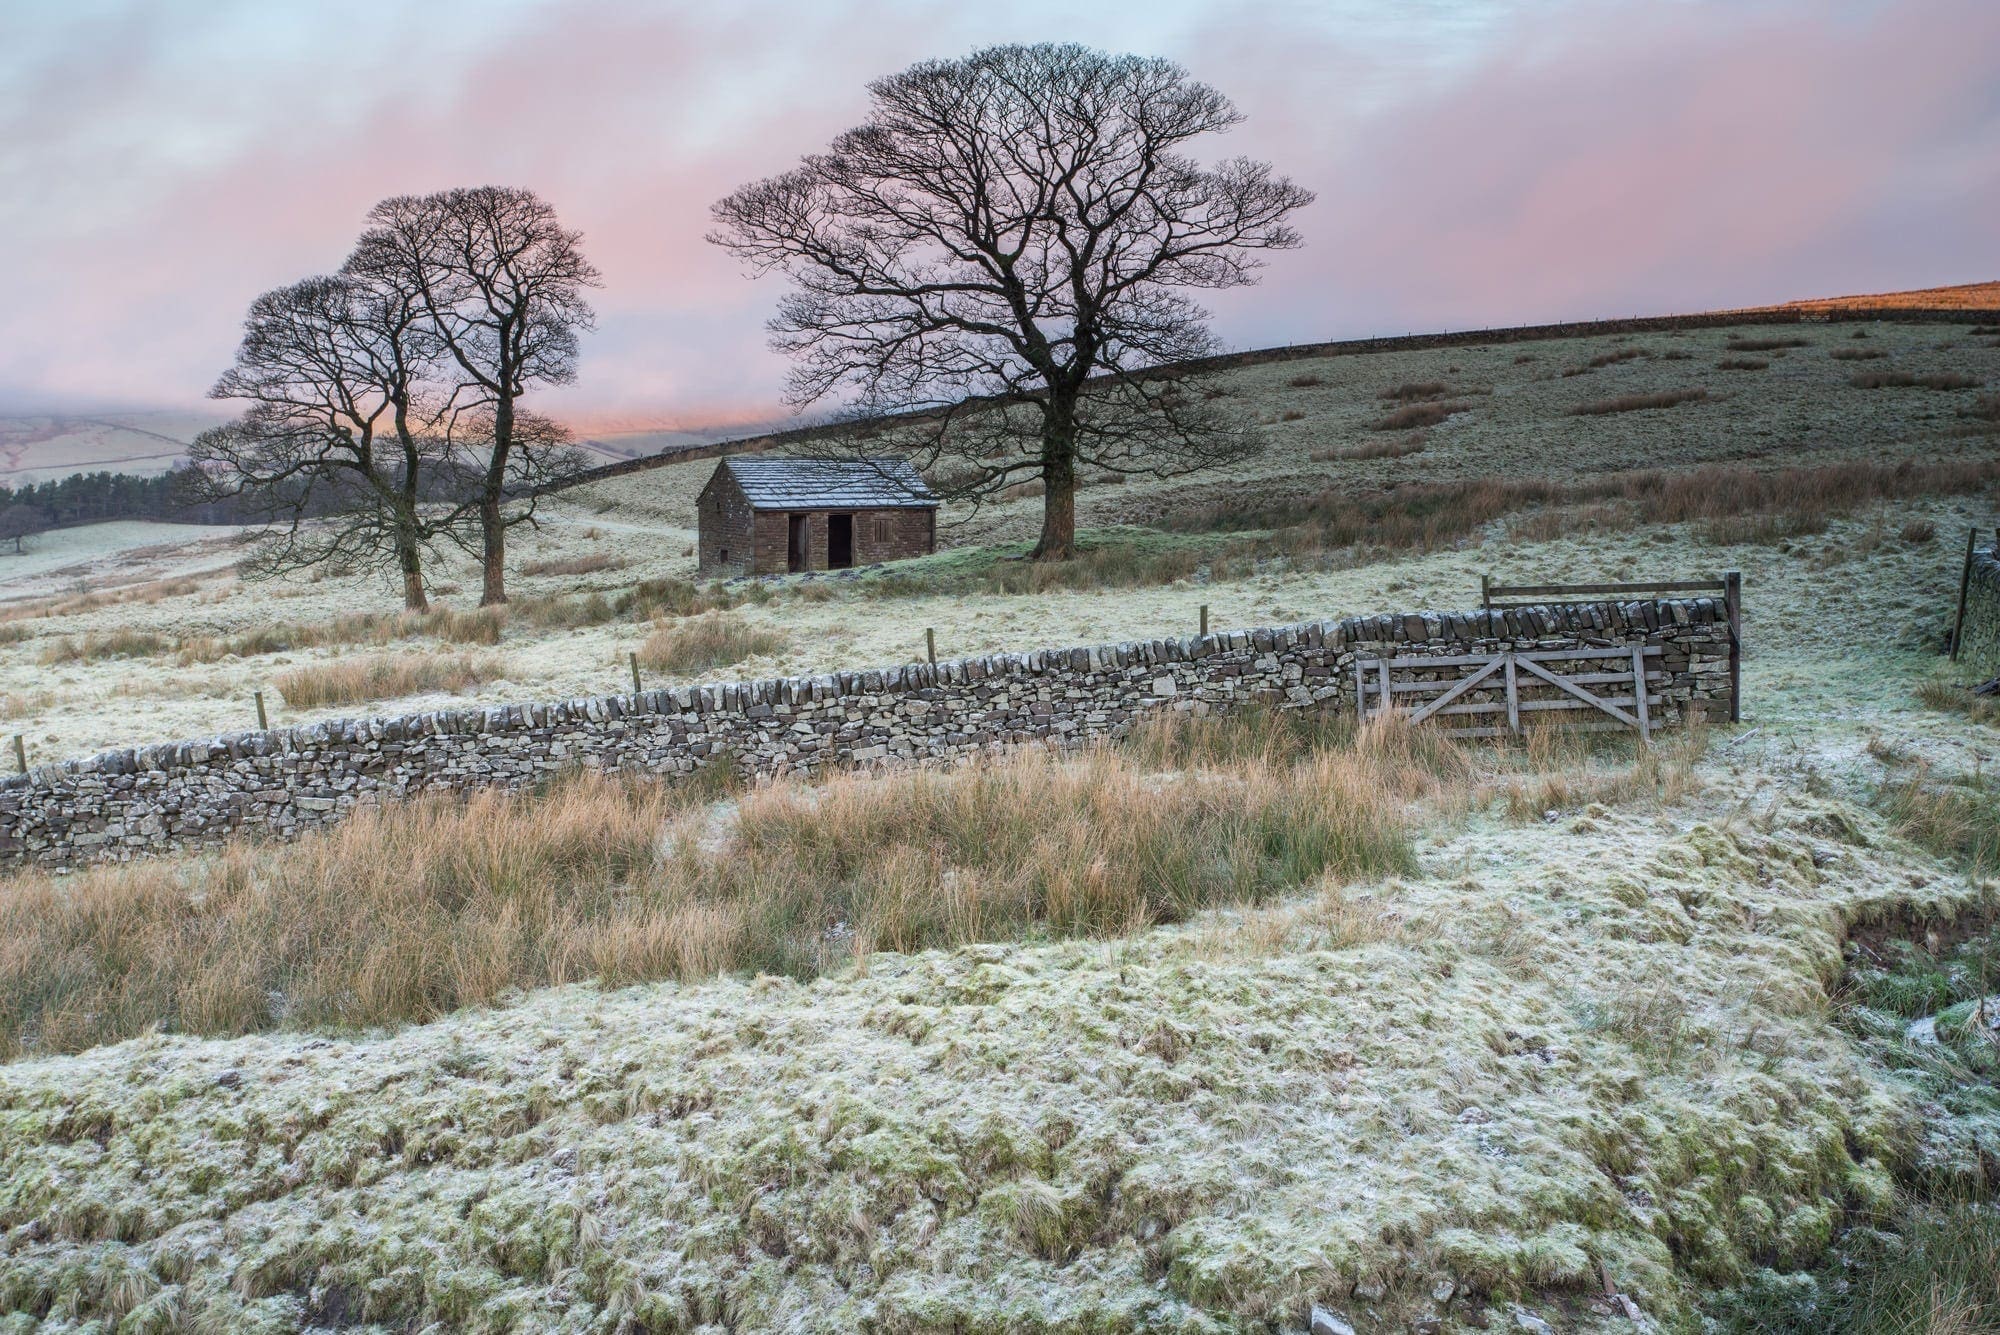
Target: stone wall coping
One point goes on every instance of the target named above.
(714, 697)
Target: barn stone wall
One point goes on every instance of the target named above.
(184, 795)
(1979, 642)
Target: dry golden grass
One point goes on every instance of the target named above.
(592, 564)
(1416, 391)
(408, 912)
(384, 677)
(1417, 415)
(97, 645)
(1909, 380)
(1734, 502)
(1562, 772)
(1748, 344)
(714, 639)
(1305, 381)
(1604, 359)
(1373, 449)
(1626, 403)
(22, 704)
(1985, 408)
(478, 626)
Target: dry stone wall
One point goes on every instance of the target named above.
(1979, 641)
(186, 795)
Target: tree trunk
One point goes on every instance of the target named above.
(493, 554)
(1058, 541)
(492, 524)
(411, 562)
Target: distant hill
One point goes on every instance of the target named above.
(43, 447)
(1964, 297)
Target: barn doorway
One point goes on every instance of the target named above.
(795, 543)
(839, 541)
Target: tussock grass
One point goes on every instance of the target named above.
(1305, 381)
(1742, 364)
(1418, 415)
(1562, 770)
(576, 565)
(1604, 359)
(384, 677)
(1626, 403)
(1743, 343)
(408, 912)
(1986, 408)
(75, 604)
(1113, 558)
(1373, 449)
(99, 645)
(1910, 380)
(22, 704)
(478, 626)
(1857, 354)
(1735, 502)
(1917, 532)
(711, 640)
(1416, 391)
(1955, 699)
(1956, 818)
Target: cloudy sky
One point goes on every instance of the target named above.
(1477, 161)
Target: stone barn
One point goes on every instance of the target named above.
(764, 516)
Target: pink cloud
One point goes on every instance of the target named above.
(1565, 160)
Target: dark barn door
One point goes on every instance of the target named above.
(795, 543)
(839, 541)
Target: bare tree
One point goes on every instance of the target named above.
(21, 521)
(344, 448)
(502, 283)
(1002, 253)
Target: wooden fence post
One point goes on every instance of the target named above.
(636, 687)
(20, 755)
(1964, 588)
(263, 723)
(1732, 595)
(930, 643)
(1486, 592)
(1204, 618)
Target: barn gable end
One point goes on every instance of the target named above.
(768, 516)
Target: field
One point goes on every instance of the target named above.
(1319, 421)
(1194, 1037)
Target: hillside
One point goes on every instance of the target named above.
(1197, 1035)
(1506, 415)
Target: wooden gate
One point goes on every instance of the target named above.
(1486, 690)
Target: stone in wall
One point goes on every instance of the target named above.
(1979, 641)
(194, 794)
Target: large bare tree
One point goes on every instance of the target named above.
(1003, 253)
(502, 283)
(344, 447)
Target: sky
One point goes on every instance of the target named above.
(1477, 162)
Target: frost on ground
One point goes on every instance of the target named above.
(1802, 411)
(1594, 1047)
(1601, 1047)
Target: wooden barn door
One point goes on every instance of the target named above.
(795, 543)
(839, 541)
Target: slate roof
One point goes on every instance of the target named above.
(830, 484)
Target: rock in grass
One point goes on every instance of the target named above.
(1326, 1323)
